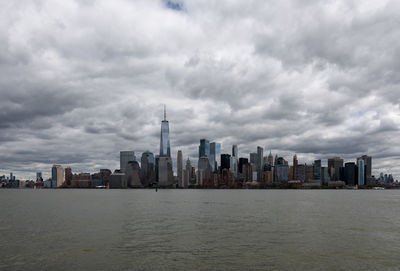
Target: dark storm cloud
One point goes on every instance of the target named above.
(82, 80)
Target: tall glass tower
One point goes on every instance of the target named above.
(165, 147)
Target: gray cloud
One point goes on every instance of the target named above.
(82, 80)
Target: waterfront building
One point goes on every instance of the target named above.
(317, 169)
(334, 165)
(295, 163)
(368, 168)
(325, 179)
(260, 155)
(132, 175)
(147, 170)
(267, 173)
(300, 173)
(188, 174)
(39, 177)
(204, 166)
(124, 158)
(361, 172)
(270, 158)
(309, 173)
(165, 173)
(68, 176)
(204, 148)
(57, 176)
(179, 168)
(118, 180)
(165, 145)
(350, 173)
(282, 173)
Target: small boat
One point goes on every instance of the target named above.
(378, 188)
(101, 186)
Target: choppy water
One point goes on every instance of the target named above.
(199, 230)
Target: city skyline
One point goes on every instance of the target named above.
(79, 83)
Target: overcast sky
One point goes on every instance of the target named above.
(82, 80)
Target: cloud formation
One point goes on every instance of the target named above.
(82, 80)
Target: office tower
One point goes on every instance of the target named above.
(317, 169)
(248, 172)
(242, 162)
(350, 173)
(204, 148)
(361, 172)
(215, 152)
(334, 165)
(132, 175)
(325, 179)
(68, 176)
(147, 171)
(253, 158)
(270, 158)
(118, 180)
(188, 174)
(225, 161)
(179, 168)
(299, 173)
(204, 166)
(199, 177)
(309, 173)
(282, 173)
(165, 173)
(368, 171)
(57, 176)
(235, 151)
(11, 176)
(39, 177)
(295, 163)
(165, 146)
(267, 173)
(124, 158)
(260, 156)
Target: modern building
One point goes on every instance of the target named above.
(361, 172)
(260, 155)
(124, 158)
(325, 178)
(132, 175)
(225, 161)
(39, 177)
(334, 165)
(165, 145)
(317, 169)
(179, 168)
(299, 172)
(350, 173)
(204, 167)
(295, 163)
(147, 170)
(282, 173)
(118, 180)
(235, 151)
(204, 148)
(215, 154)
(57, 176)
(188, 174)
(368, 168)
(242, 162)
(165, 172)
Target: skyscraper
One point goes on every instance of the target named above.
(225, 161)
(68, 176)
(165, 146)
(350, 173)
(204, 148)
(334, 165)
(361, 172)
(235, 151)
(124, 158)
(317, 169)
(215, 152)
(57, 176)
(260, 160)
(147, 170)
(188, 174)
(179, 167)
(368, 168)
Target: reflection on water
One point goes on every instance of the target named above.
(199, 230)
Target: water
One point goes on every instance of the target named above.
(199, 230)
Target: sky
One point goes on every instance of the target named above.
(82, 80)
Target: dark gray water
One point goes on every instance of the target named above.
(199, 230)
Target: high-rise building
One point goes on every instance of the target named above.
(361, 172)
(204, 167)
(179, 167)
(215, 152)
(325, 179)
(39, 177)
(124, 158)
(282, 173)
(350, 173)
(299, 173)
(368, 168)
(132, 175)
(242, 162)
(165, 145)
(204, 148)
(260, 160)
(295, 163)
(165, 173)
(317, 169)
(309, 173)
(68, 176)
(225, 161)
(57, 176)
(270, 158)
(147, 170)
(188, 174)
(235, 151)
(334, 165)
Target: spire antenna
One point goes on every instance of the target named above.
(165, 112)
